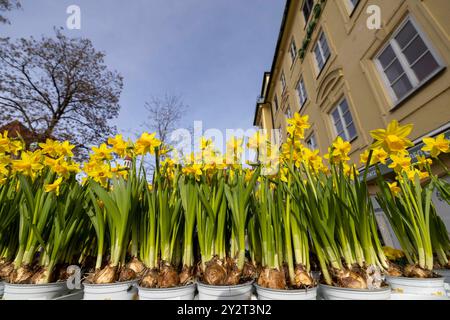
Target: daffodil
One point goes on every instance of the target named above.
(102, 152)
(414, 172)
(339, 151)
(379, 155)
(436, 146)
(364, 157)
(101, 174)
(50, 148)
(193, 170)
(205, 143)
(66, 149)
(423, 162)
(297, 125)
(8, 145)
(29, 164)
(54, 187)
(119, 145)
(400, 162)
(147, 143)
(393, 139)
(395, 189)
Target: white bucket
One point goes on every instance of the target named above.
(238, 292)
(74, 295)
(445, 273)
(418, 286)
(274, 294)
(177, 293)
(35, 291)
(2, 287)
(126, 290)
(335, 293)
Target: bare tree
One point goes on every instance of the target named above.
(59, 87)
(164, 115)
(5, 6)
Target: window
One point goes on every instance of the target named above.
(293, 50)
(288, 112)
(307, 9)
(407, 61)
(322, 51)
(301, 91)
(276, 103)
(311, 142)
(283, 81)
(352, 4)
(343, 121)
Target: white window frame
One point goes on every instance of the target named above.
(301, 92)
(283, 81)
(342, 119)
(293, 50)
(312, 137)
(415, 83)
(319, 45)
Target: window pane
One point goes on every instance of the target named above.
(305, 94)
(394, 71)
(415, 50)
(344, 106)
(335, 115)
(406, 34)
(324, 44)
(319, 59)
(339, 126)
(348, 118)
(402, 87)
(425, 66)
(387, 56)
(351, 131)
(342, 135)
(307, 8)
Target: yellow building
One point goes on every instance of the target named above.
(331, 64)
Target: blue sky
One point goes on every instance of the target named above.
(211, 52)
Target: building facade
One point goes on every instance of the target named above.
(351, 79)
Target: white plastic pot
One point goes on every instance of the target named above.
(35, 291)
(177, 293)
(126, 290)
(238, 292)
(417, 286)
(274, 294)
(445, 273)
(2, 287)
(74, 295)
(336, 293)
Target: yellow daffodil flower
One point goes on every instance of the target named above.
(54, 187)
(147, 144)
(29, 164)
(394, 138)
(119, 146)
(436, 146)
(395, 189)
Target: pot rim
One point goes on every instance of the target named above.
(383, 289)
(242, 285)
(286, 291)
(418, 279)
(189, 286)
(99, 285)
(40, 285)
